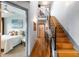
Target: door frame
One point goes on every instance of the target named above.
(26, 10)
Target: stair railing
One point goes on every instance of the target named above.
(53, 27)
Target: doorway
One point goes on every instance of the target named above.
(15, 29)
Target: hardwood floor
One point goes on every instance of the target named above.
(42, 47)
(63, 45)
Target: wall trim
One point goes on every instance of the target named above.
(76, 46)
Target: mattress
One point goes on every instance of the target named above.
(10, 41)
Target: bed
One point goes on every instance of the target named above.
(8, 42)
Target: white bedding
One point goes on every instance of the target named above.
(8, 42)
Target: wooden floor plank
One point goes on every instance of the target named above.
(42, 47)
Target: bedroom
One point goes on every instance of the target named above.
(14, 30)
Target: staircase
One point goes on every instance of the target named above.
(64, 47)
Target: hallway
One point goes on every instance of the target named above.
(64, 46)
(39, 29)
(42, 47)
(67, 40)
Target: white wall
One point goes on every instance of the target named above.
(32, 17)
(67, 14)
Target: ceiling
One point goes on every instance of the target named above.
(12, 10)
(45, 3)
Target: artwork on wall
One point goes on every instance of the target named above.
(16, 23)
(34, 24)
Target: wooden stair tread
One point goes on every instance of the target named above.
(64, 46)
(62, 38)
(61, 35)
(63, 41)
(69, 44)
(59, 30)
(68, 53)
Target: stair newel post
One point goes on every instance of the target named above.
(55, 39)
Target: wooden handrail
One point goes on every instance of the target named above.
(52, 26)
(52, 23)
(55, 39)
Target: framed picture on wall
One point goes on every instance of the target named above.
(34, 24)
(17, 23)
